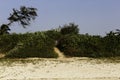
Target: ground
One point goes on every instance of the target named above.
(60, 69)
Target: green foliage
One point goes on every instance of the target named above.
(79, 45)
(8, 42)
(26, 52)
(70, 29)
(4, 29)
(24, 15)
(91, 46)
(36, 44)
(53, 34)
(41, 44)
(111, 44)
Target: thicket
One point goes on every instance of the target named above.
(71, 43)
(71, 28)
(80, 45)
(85, 45)
(36, 44)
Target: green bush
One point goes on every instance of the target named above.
(111, 44)
(79, 46)
(27, 52)
(41, 44)
(53, 34)
(70, 29)
(8, 42)
(36, 44)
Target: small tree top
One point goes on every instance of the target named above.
(24, 15)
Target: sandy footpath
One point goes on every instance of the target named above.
(59, 69)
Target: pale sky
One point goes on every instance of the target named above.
(92, 16)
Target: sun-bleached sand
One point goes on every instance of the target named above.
(59, 69)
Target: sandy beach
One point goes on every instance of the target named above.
(59, 69)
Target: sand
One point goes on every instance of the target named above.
(59, 69)
(60, 54)
(2, 55)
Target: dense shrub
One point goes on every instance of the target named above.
(79, 45)
(70, 29)
(111, 44)
(91, 46)
(41, 44)
(68, 45)
(53, 34)
(8, 42)
(36, 44)
(26, 52)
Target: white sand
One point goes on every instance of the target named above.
(34, 69)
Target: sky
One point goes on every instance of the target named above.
(96, 17)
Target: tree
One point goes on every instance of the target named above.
(117, 32)
(4, 29)
(70, 29)
(22, 16)
(111, 33)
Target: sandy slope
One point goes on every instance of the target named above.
(2, 55)
(60, 54)
(77, 68)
